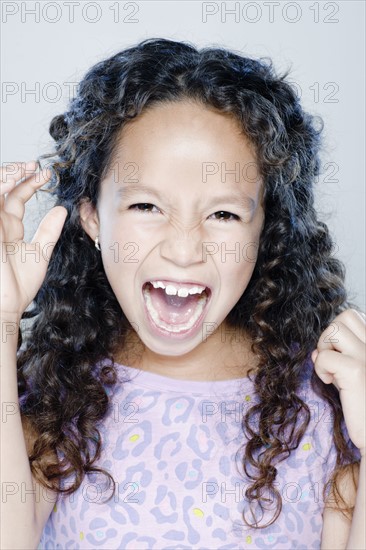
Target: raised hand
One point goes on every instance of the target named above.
(340, 358)
(24, 265)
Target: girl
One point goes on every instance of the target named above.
(194, 376)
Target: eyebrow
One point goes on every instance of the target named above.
(236, 199)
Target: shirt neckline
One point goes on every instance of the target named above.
(168, 384)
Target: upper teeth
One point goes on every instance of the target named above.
(174, 290)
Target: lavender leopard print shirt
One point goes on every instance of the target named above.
(170, 446)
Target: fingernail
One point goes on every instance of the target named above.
(314, 355)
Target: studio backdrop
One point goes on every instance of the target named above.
(48, 46)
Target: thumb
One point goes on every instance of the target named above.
(49, 231)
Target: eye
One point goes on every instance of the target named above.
(145, 207)
(226, 215)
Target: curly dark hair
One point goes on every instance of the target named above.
(296, 290)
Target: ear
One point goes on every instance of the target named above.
(89, 218)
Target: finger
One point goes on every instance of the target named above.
(336, 368)
(16, 199)
(356, 321)
(13, 171)
(340, 337)
(49, 230)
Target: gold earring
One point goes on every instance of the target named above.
(97, 242)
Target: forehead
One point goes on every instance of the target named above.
(187, 127)
(196, 147)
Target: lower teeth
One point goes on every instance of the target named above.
(173, 328)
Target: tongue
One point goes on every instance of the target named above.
(173, 310)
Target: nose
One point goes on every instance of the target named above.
(183, 250)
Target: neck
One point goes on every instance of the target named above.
(213, 359)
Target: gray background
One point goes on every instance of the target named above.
(48, 46)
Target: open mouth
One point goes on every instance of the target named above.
(176, 309)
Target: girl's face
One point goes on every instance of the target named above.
(181, 203)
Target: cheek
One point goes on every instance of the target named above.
(127, 231)
(236, 267)
(121, 258)
(238, 253)
(123, 253)
(235, 262)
